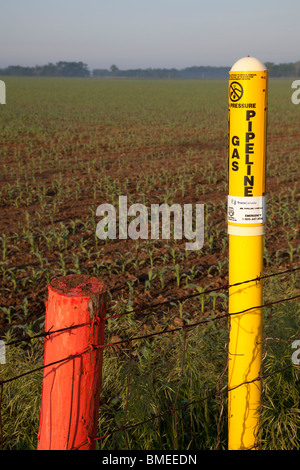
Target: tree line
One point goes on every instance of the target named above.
(80, 69)
(60, 69)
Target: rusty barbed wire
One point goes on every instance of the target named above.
(186, 327)
(149, 335)
(156, 305)
(196, 294)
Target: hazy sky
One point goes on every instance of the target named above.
(148, 33)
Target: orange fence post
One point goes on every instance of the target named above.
(73, 363)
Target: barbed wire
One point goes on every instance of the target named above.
(185, 328)
(153, 306)
(141, 337)
(196, 294)
(149, 335)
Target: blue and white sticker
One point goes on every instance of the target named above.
(246, 210)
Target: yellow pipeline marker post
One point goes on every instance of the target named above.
(247, 102)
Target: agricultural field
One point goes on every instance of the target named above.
(69, 145)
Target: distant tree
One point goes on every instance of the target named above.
(269, 65)
(72, 69)
(114, 70)
(297, 69)
(101, 73)
(49, 70)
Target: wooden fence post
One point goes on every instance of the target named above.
(72, 381)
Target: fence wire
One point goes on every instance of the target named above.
(217, 391)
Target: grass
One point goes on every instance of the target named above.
(69, 145)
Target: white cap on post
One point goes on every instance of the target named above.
(248, 64)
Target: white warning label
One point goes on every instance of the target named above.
(246, 210)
